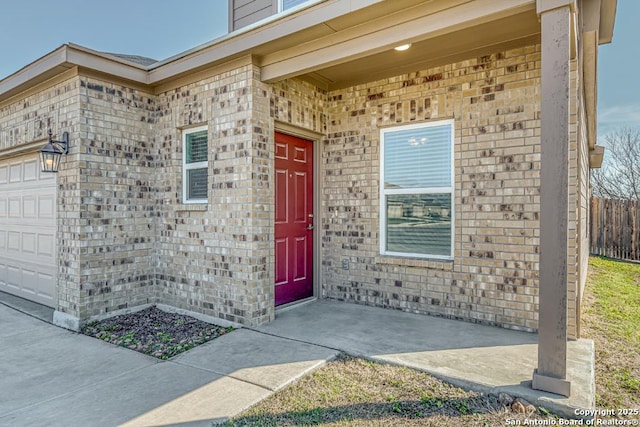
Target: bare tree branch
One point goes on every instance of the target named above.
(619, 177)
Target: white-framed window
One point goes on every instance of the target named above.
(417, 190)
(195, 162)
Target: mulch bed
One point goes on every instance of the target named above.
(155, 332)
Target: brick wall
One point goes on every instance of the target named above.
(114, 202)
(495, 101)
(126, 238)
(215, 258)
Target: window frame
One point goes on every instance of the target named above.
(186, 167)
(422, 190)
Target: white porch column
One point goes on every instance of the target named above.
(556, 17)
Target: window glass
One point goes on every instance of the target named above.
(196, 147)
(416, 197)
(418, 158)
(288, 4)
(419, 223)
(195, 166)
(197, 184)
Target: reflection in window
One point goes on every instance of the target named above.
(419, 224)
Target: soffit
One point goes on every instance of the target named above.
(360, 48)
(505, 33)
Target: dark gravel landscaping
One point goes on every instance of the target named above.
(155, 332)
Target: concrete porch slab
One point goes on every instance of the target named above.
(482, 358)
(267, 361)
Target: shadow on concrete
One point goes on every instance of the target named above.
(56, 377)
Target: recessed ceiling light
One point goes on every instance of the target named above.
(403, 47)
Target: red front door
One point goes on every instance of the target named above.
(294, 218)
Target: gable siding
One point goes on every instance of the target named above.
(246, 12)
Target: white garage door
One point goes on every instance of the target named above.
(27, 230)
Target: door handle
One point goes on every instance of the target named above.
(310, 227)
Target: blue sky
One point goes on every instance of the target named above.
(162, 28)
(154, 28)
(618, 65)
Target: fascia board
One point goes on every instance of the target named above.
(65, 57)
(34, 73)
(105, 64)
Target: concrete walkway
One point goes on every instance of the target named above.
(50, 376)
(475, 357)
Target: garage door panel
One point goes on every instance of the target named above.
(48, 178)
(46, 285)
(14, 207)
(30, 170)
(14, 277)
(45, 245)
(29, 281)
(46, 207)
(15, 172)
(29, 243)
(29, 207)
(27, 230)
(13, 242)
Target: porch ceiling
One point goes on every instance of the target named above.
(484, 39)
(345, 53)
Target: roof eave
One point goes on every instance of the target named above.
(65, 57)
(36, 72)
(607, 21)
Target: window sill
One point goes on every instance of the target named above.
(436, 264)
(194, 207)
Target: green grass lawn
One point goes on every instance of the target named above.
(355, 392)
(611, 317)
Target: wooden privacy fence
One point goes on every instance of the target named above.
(615, 228)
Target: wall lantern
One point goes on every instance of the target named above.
(51, 153)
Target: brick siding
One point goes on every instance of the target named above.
(126, 238)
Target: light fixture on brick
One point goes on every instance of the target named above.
(51, 153)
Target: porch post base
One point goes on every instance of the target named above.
(551, 384)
